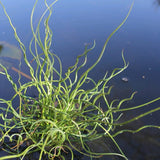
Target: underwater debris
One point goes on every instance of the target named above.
(125, 79)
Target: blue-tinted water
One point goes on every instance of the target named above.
(75, 23)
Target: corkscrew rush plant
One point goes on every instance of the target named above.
(64, 116)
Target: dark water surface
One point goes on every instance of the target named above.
(77, 22)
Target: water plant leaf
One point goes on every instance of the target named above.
(10, 51)
(6, 64)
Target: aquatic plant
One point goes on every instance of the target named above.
(65, 116)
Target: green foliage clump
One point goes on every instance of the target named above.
(64, 116)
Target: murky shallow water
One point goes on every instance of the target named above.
(76, 23)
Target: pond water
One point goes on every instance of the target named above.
(75, 23)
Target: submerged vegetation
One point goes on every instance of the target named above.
(64, 117)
